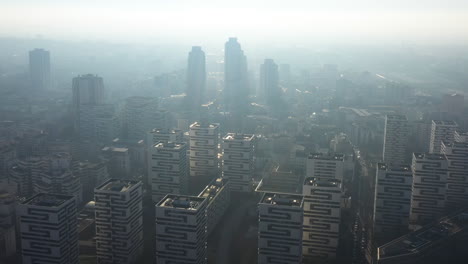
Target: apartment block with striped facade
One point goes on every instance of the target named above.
(204, 139)
(280, 219)
(48, 229)
(181, 230)
(163, 134)
(441, 131)
(218, 197)
(457, 178)
(119, 221)
(395, 139)
(168, 169)
(325, 166)
(429, 187)
(322, 216)
(392, 200)
(238, 161)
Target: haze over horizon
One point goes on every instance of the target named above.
(336, 21)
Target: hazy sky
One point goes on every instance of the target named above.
(355, 21)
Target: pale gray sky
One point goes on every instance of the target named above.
(373, 21)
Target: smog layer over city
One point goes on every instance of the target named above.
(233, 132)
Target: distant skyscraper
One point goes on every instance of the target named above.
(269, 82)
(235, 77)
(441, 131)
(141, 115)
(204, 138)
(95, 121)
(119, 221)
(88, 90)
(39, 69)
(196, 78)
(180, 230)
(325, 166)
(238, 161)
(48, 229)
(322, 216)
(280, 219)
(392, 201)
(395, 139)
(429, 187)
(457, 178)
(167, 169)
(285, 74)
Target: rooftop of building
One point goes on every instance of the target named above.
(165, 131)
(397, 168)
(47, 200)
(444, 122)
(212, 189)
(169, 145)
(184, 202)
(456, 144)
(429, 156)
(115, 149)
(321, 182)
(397, 117)
(426, 237)
(204, 125)
(238, 136)
(282, 199)
(461, 133)
(118, 185)
(327, 156)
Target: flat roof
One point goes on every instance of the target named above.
(204, 125)
(169, 144)
(429, 156)
(282, 199)
(164, 131)
(396, 168)
(422, 239)
(456, 144)
(183, 202)
(48, 200)
(444, 122)
(397, 117)
(321, 182)
(238, 136)
(327, 156)
(212, 189)
(117, 185)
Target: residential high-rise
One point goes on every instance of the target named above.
(39, 69)
(325, 166)
(196, 78)
(119, 221)
(218, 198)
(8, 204)
(457, 178)
(392, 201)
(94, 120)
(163, 134)
(322, 216)
(269, 82)
(280, 219)
(236, 89)
(238, 161)
(461, 136)
(204, 138)
(88, 89)
(141, 115)
(395, 139)
(429, 187)
(167, 169)
(441, 131)
(181, 230)
(55, 175)
(48, 229)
